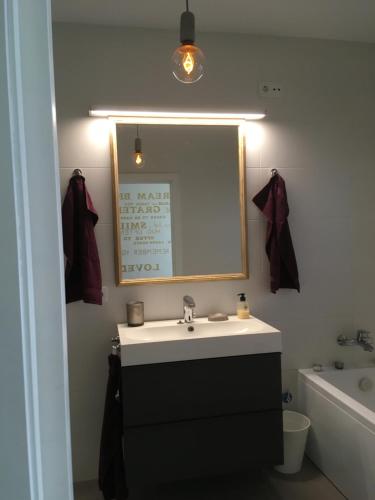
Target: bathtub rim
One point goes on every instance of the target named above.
(336, 396)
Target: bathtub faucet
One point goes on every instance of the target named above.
(363, 339)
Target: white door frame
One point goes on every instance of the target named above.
(35, 449)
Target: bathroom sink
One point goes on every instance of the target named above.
(167, 341)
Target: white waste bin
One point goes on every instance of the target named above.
(296, 427)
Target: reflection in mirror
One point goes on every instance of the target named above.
(182, 215)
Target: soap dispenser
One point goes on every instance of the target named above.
(243, 311)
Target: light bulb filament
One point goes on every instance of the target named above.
(138, 158)
(188, 63)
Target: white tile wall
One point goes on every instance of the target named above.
(320, 138)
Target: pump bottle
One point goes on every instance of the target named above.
(243, 311)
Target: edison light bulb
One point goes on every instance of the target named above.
(138, 156)
(138, 159)
(187, 63)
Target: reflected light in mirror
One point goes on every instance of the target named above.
(98, 132)
(138, 159)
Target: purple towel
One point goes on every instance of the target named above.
(272, 201)
(83, 280)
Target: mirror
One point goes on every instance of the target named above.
(182, 216)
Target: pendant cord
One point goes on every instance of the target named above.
(187, 5)
(137, 130)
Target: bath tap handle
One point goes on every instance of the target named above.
(343, 339)
(363, 339)
(364, 335)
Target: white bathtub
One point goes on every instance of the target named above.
(342, 436)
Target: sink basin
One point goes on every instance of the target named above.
(167, 341)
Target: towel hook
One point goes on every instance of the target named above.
(76, 172)
(274, 172)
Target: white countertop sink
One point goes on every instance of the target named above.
(167, 341)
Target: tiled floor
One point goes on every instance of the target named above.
(309, 484)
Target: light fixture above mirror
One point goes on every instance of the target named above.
(134, 115)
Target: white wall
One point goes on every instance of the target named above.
(319, 136)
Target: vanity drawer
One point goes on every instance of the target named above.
(212, 446)
(184, 390)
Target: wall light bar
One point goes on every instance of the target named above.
(128, 113)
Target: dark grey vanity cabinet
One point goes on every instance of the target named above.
(201, 417)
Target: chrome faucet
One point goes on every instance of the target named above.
(189, 305)
(363, 339)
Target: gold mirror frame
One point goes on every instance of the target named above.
(180, 119)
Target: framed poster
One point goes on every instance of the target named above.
(146, 226)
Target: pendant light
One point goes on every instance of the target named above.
(138, 156)
(187, 59)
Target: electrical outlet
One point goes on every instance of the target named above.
(270, 89)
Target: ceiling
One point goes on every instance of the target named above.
(352, 20)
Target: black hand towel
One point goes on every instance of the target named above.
(272, 201)
(112, 480)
